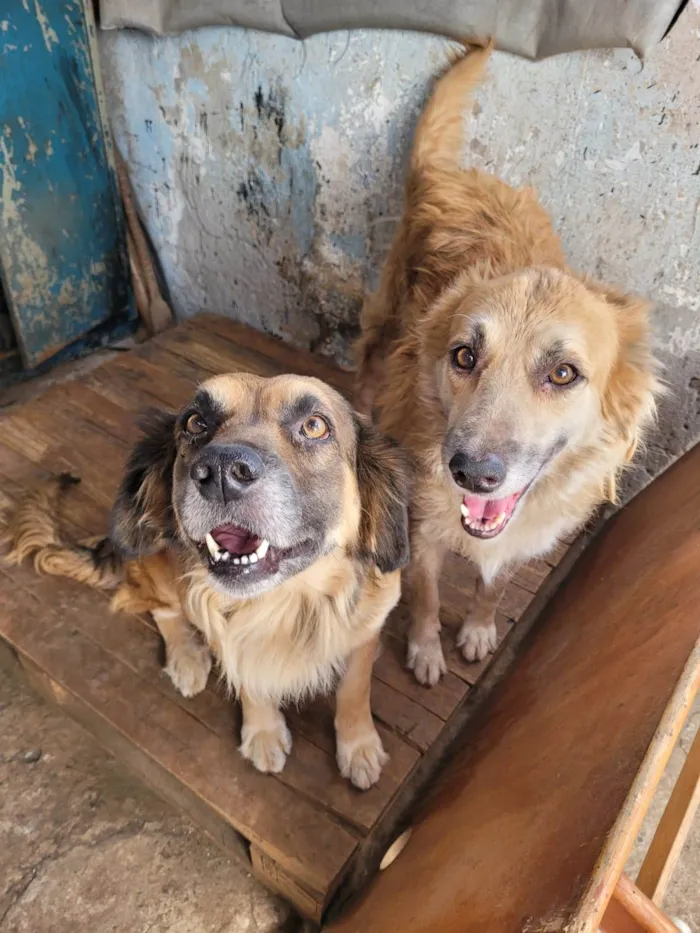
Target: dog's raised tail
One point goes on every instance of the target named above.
(440, 132)
(32, 529)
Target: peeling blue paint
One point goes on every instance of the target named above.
(353, 245)
(62, 249)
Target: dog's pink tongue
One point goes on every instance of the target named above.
(487, 509)
(235, 540)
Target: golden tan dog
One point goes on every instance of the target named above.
(265, 523)
(520, 387)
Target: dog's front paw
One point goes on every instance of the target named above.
(267, 749)
(477, 641)
(426, 660)
(188, 665)
(361, 760)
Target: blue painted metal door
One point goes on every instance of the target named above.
(62, 241)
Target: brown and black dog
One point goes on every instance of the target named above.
(520, 387)
(266, 525)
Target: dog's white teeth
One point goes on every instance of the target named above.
(253, 558)
(499, 519)
(244, 559)
(261, 549)
(464, 510)
(236, 560)
(213, 547)
(225, 556)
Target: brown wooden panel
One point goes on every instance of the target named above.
(530, 822)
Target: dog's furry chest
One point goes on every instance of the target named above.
(290, 643)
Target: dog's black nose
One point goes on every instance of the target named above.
(226, 473)
(478, 474)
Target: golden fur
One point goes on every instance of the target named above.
(477, 265)
(302, 635)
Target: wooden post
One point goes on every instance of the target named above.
(672, 831)
(631, 911)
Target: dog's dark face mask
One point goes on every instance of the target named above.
(261, 477)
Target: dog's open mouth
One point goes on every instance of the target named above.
(234, 550)
(486, 518)
(231, 549)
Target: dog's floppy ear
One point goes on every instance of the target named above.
(629, 400)
(383, 479)
(142, 517)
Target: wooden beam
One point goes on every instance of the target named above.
(631, 911)
(672, 831)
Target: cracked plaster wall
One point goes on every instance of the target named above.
(269, 173)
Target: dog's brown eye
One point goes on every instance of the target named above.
(463, 358)
(195, 424)
(563, 375)
(315, 428)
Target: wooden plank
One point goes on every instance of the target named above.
(631, 910)
(310, 904)
(174, 375)
(205, 351)
(110, 697)
(455, 600)
(46, 434)
(139, 384)
(287, 358)
(672, 831)
(101, 412)
(415, 724)
(401, 722)
(451, 618)
(84, 517)
(390, 668)
(197, 346)
(531, 820)
(310, 770)
(531, 576)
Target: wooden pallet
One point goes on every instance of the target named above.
(306, 831)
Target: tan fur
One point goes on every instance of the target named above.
(292, 641)
(469, 246)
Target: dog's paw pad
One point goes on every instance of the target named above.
(426, 660)
(477, 641)
(267, 749)
(361, 761)
(188, 667)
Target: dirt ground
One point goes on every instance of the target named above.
(85, 848)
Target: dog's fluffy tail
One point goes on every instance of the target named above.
(32, 529)
(440, 132)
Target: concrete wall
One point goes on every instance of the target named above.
(269, 172)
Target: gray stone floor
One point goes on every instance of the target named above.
(84, 848)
